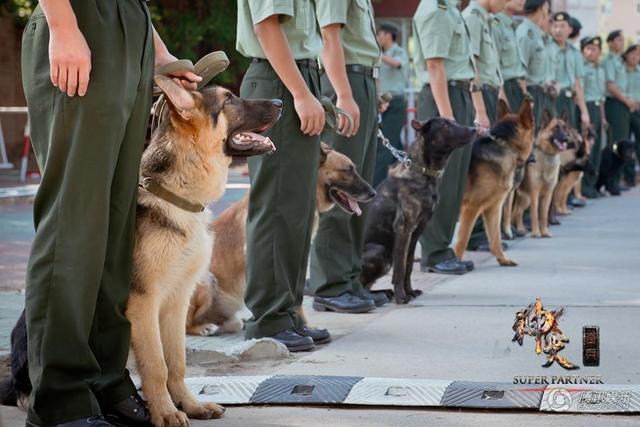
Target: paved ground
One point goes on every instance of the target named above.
(461, 328)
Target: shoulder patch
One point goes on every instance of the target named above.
(442, 5)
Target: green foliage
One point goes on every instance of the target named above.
(190, 29)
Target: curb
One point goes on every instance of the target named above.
(12, 195)
(373, 391)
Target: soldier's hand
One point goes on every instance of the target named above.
(310, 112)
(482, 121)
(348, 104)
(586, 121)
(69, 60)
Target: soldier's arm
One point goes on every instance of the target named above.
(391, 61)
(584, 112)
(187, 79)
(439, 88)
(274, 43)
(482, 119)
(69, 54)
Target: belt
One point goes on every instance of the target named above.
(486, 86)
(310, 63)
(596, 103)
(462, 84)
(373, 72)
(514, 79)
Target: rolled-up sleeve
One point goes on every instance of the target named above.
(332, 12)
(435, 30)
(262, 9)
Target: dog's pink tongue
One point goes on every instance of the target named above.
(355, 207)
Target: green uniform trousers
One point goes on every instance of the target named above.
(88, 149)
(630, 167)
(566, 105)
(490, 98)
(589, 180)
(618, 116)
(392, 122)
(281, 208)
(539, 104)
(436, 239)
(336, 253)
(513, 92)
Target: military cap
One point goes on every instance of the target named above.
(531, 6)
(561, 17)
(614, 34)
(576, 26)
(596, 41)
(390, 28)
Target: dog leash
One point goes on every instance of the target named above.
(403, 157)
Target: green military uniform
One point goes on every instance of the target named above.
(336, 255)
(441, 33)
(483, 48)
(594, 87)
(282, 196)
(88, 149)
(511, 65)
(567, 69)
(616, 111)
(633, 92)
(532, 49)
(394, 81)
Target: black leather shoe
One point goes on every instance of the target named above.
(469, 265)
(130, 412)
(95, 421)
(577, 203)
(319, 336)
(343, 303)
(484, 247)
(378, 298)
(590, 194)
(294, 341)
(450, 266)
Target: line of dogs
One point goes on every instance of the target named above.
(189, 270)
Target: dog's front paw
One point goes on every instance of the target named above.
(535, 234)
(208, 330)
(506, 262)
(204, 411)
(402, 298)
(170, 417)
(546, 234)
(414, 293)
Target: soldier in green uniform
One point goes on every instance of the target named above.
(567, 71)
(594, 82)
(530, 38)
(393, 79)
(350, 58)
(283, 38)
(87, 70)
(443, 48)
(513, 70)
(617, 105)
(631, 57)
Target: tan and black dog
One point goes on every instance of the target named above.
(218, 299)
(183, 169)
(491, 176)
(541, 177)
(574, 161)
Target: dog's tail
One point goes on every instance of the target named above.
(8, 392)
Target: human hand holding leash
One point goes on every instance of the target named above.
(348, 104)
(188, 79)
(310, 112)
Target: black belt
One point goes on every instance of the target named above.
(310, 63)
(514, 80)
(373, 72)
(489, 88)
(596, 103)
(462, 84)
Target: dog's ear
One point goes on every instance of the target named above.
(546, 119)
(526, 114)
(416, 125)
(564, 117)
(503, 109)
(324, 152)
(181, 99)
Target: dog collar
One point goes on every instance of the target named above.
(435, 173)
(155, 188)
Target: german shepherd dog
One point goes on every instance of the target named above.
(217, 300)
(614, 156)
(574, 161)
(405, 203)
(187, 161)
(491, 176)
(541, 177)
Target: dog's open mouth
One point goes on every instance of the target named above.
(346, 202)
(560, 145)
(251, 142)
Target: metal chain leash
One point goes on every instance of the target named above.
(401, 156)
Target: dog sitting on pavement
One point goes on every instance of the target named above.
(216, 301)
(491, 176)
(405, 203)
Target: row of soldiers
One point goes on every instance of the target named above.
(467, 61)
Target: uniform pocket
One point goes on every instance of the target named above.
(509, 53)
(303, 14)
(458, 40)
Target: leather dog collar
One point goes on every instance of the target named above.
(155, 188)
(435, 173)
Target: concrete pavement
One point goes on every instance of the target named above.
(460, 328)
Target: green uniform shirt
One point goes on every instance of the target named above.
(614, 71)
(483, 46)
(442, 33)
(504, 35)
(392, 79)
(593, 82)
(358, 32)
(549, 54)
(532, 48)
(633, 84)
(566, 69)
(298, 19)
